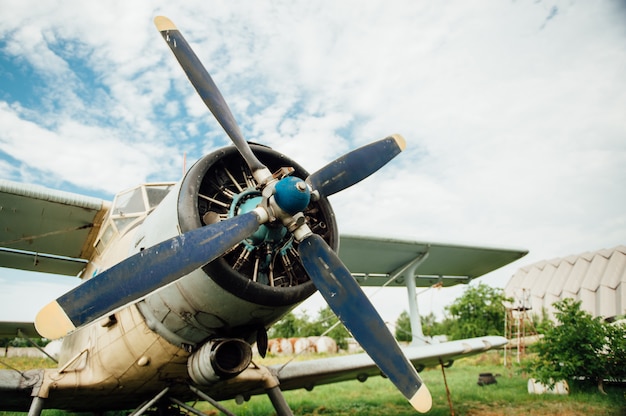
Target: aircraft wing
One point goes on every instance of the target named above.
(18, 329)
(373, 261)
(46, 230)
(15, 386)
(307, 374)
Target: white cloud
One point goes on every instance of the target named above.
(513, 111)
(93, 157)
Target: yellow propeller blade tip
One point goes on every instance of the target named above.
(422, 401)
(163, 23)
(399, 141)
(51, 322)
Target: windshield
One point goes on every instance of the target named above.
(130, 208)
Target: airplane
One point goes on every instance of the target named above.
(180, 279)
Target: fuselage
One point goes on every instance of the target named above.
(170, 337)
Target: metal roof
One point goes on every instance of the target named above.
(598, 279)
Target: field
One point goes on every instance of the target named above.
(378, 397)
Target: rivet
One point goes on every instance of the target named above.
(143, 361)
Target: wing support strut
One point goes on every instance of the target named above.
(21, 334)
(409, 272)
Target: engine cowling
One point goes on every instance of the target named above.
(254, 283)
(265, 268)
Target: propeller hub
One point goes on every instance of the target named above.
(266, 233)
(292, 195)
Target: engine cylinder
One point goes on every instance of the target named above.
(219, 359)
(265, 269)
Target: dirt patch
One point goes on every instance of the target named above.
(552, 409)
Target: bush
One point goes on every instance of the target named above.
(580, 346)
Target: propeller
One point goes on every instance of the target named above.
(143, 273)
(283, 200)
(328, 273)
(210, 94)
(345, 297)
(331, 179)
(355, 166)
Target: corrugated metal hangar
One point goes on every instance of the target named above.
(598, 279)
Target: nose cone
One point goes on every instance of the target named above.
(292, 195)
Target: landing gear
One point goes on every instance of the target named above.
(278, 401)
(166, 405)
(36, 406)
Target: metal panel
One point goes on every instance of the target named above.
(560, 277)
(598, 279)
(575, 279)
(615, 270)
(543, 281)
(594, 274)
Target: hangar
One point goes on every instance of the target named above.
(597, 279)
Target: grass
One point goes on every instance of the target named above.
(509, 396)
(26, 363)
(377, 396)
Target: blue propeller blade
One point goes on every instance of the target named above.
(355, 166)
(347, 300)
(206, 88)
(143, 273)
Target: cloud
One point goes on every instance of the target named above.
(93, 157)
(512, 112)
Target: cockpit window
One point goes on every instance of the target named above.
(129, 202)
(122, 223)
(130, 208)
(156, 193)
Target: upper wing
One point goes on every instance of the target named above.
(373, 261)
(46, 230)
(307, 374)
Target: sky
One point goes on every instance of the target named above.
(514, 113)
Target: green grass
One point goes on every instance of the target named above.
(509, 396)
(377, 396)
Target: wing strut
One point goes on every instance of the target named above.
(409, 272)
(32, 343)
(417, 333)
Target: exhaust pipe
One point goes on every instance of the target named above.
(219, 359)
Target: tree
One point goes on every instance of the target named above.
(431, 326)
(616, 351)
(403, 328)
(579, 346)
(289, 326)
(478, 312)
(292, 326)
(542, 323)
(326, 319)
